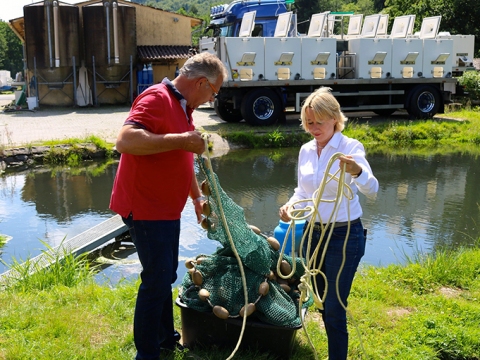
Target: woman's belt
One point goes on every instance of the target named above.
(317, 226)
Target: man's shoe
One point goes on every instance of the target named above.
(172, 343)
(172, 347)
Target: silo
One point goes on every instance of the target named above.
(51, 38)
(110, 44)
(52, 42)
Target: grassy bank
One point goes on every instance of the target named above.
(460, 129)
(426, 309)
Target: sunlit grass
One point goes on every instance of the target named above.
(74, 151)
(461, 127)
(99, 142)
(427, 309)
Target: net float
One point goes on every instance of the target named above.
(190, 263)
(272, 276)
(220, 312)
(263, 288)
(285, 268)
(201, 259)
(285, 288)
(203, 294)
(197, 278)
(273, 243)
(255, 229)
(205, 223)
(205, 188)
(250, 309)
(206, 209)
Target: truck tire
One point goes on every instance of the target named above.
(424, 102)
(226, 112)
(261, 107)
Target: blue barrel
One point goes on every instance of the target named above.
(281, 230)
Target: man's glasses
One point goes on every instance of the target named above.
(215, 92)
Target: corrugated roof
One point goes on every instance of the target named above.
(163, 52)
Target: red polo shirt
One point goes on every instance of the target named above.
(155, 187)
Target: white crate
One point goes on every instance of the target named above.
(318, 56)
(407, 58)
(373, 57)
(283, 58)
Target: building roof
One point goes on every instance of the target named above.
(163, 53)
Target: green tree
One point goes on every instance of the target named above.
(3, 45)
(11, 51)
(458, 16)
(193, 10)
(304, 10)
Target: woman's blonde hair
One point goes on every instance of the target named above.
(324, 106)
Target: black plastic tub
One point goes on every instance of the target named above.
(206, 329)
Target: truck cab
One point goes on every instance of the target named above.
(227, 18)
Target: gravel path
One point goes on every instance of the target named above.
(25, 127)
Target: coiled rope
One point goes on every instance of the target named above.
(308, 261)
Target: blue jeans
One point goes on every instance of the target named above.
(333, 314)
(157, 245)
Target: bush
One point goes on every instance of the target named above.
(470, 80)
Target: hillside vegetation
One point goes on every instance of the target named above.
(458, 17)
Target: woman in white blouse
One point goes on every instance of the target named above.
(322, 118)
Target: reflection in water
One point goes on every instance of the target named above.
(423, 203)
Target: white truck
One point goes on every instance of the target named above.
(366, 68)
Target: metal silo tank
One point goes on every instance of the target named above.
(51, 36)
(110, 38)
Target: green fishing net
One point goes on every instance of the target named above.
(220, 274)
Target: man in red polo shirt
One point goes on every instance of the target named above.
(153, 181)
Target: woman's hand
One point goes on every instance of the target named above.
(283, 213)
(351, 166)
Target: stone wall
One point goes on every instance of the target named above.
(27, 157)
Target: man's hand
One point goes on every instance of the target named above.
(193, 142)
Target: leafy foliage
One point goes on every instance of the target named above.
(11, 52)
(458, 16)
(470, 80)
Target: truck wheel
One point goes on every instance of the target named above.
(424, 102)
(226, 112)
(261, 107)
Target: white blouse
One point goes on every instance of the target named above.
(311, 169)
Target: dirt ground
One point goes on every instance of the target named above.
(27, 127)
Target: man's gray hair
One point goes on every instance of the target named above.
(206, 65)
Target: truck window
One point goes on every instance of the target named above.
(257, 30)
(224, 31)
